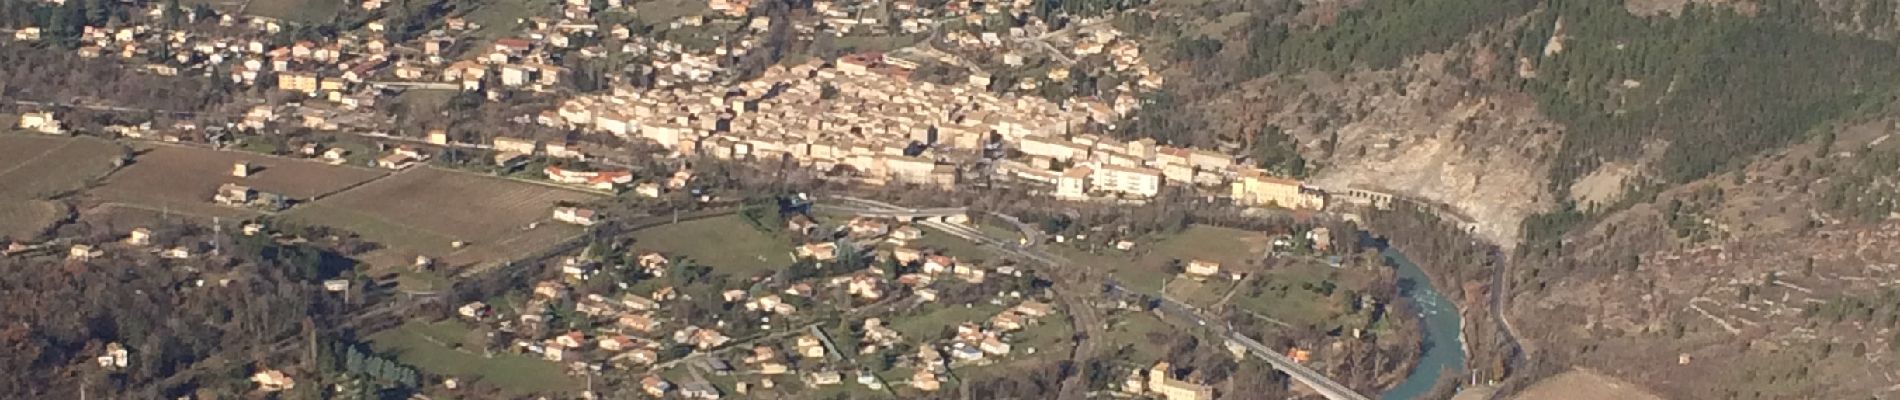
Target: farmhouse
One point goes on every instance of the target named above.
(1203, 268)
(401, 158)
(575, 215)
(42, 122)
(140, 237)
(84, 252)
(1161, 381)
(235, 195)
(232, 194)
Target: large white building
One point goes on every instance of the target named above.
(1134, 181)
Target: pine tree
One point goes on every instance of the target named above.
(355, 361)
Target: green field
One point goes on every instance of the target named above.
(1132, 330)
(500, 18)
(305, 11)
(416, 343)
(1199, 293)
(1050, 335)
(1143, 267)
(661, 12)
(926, 326)
(728, 244)
(1289, 294)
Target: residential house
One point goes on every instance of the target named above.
(809, 346)
(1034, 308)
(232, 194)
(906, 255)
(115, 357)
(637, 322)
(139, 237)
(655, 386)
(474, 310)
(84, 252)
(638, 303)
(802, 224)
(773, 368)
(401, 158)
(865, 287)
(271, 380)
(1007, 321)
(823, 378)
(907, 233)
(938, 264)
(603, 180)
(572, 340)
(820, 251)
(861, 226)
(994, 346)
(618, 343)
(648, 189)
(926, 380)
(654, 263)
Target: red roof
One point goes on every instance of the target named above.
(513, 43)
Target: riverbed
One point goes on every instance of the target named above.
(1443, 339)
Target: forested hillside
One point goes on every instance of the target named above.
(1639, 150)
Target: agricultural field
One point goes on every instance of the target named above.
(430, 346)
(728, 244)
(183, 179)
(37, 168)
(424, 210)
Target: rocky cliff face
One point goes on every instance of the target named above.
(1426, 130)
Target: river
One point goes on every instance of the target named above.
(1443, 341)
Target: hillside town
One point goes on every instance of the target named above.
(660, 199)
(867, 116)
